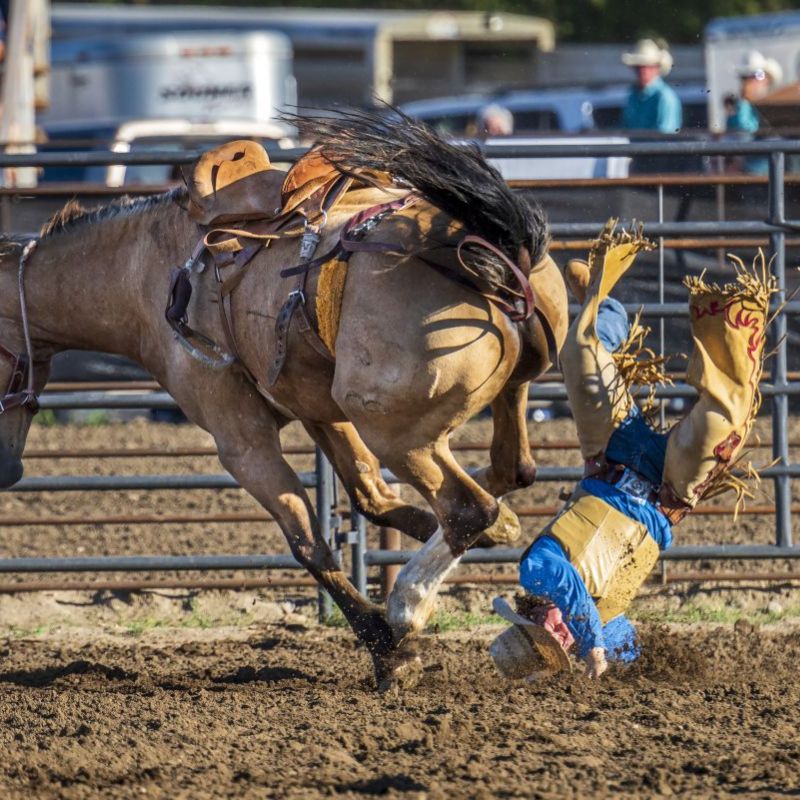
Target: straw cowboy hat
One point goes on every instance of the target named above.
(526, 650)
(756, 65)
(649, 53)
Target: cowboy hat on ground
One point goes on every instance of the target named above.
(526, 649)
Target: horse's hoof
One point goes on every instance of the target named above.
(399, 671)
(505, 529)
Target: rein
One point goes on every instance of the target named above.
(22, 363)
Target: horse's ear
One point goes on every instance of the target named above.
(222, 182)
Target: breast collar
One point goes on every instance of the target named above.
(20, 392)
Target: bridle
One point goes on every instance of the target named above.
(20, 391)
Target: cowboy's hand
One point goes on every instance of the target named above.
(596, 663)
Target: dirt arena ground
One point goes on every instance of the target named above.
(287, 711)
(183, 694)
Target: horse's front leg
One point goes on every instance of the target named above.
(512, 464)
(246, 433)
(264, 473)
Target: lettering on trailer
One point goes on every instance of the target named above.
(186, 91)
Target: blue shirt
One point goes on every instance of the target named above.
(654, 108)
(744, 119)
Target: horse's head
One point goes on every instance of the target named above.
(22, 374)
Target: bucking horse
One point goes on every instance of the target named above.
(383, 292)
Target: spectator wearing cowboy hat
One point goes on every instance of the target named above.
(758, 76)
(652, 105)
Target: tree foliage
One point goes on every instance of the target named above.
(679, 21)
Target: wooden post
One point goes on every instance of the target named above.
(389, 540)
(28, 29)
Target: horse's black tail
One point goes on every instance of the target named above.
(454, 177)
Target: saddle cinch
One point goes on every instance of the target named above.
(246, 203)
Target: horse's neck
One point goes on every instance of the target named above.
(101, 285)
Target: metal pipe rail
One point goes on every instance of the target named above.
(655, 229)
(261, 516)
(654, 148)
(504, 555)
(459, 579)
(97, 158)
(105, 400)
(147, 563)
(508, 555)
(107, 483)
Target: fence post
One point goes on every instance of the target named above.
(780, 401)
(358, 546)
(389, 540)
(324, 473)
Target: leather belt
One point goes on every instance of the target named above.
(631, 482)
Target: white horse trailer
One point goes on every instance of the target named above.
(728, 40)
(193, 76)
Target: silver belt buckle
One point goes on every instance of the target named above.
(635, 485)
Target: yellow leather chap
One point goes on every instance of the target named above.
(729, 330)
(598, 397)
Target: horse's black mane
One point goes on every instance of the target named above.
(455, 178)
(73, 214)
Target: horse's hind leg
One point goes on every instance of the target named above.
(360, 472)
(464, 510)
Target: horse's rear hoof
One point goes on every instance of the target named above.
(399, 671)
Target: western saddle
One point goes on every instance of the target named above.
(244, 203)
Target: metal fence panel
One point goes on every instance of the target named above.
(779, 390)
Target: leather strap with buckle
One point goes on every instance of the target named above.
(20, 391)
